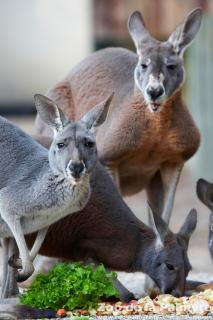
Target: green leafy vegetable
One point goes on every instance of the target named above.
(70, 286)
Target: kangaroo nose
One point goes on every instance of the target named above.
(176, 293)
(155, 93)
(76, 169)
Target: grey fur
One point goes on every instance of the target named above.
(162, 61)
(39, 187)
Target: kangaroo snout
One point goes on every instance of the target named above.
(177, 292)
(155, 93)
(76, 169)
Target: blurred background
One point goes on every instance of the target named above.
(41, 40)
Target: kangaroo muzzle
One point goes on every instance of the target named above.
(76, 169)
(155, 92)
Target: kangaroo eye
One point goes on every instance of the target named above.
(144, 66)
(171, 66)
(60, 145)
(170, 266)
(89, 144)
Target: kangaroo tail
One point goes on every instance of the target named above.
(11, 312)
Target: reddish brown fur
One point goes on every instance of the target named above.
(133, 143)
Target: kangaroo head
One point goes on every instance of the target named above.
(205, 194)
(73, 151)
(166, 260)
(160, 71)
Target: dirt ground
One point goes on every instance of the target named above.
(185, 200)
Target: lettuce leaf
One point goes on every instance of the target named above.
(70, 286)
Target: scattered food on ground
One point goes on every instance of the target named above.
(200, 304)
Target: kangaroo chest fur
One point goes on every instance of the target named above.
(147, 140)
(47, 204)
(61, 198)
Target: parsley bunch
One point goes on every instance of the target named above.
(70, 286)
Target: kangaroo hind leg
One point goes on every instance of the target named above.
(17, 263)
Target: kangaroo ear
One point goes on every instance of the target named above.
(49, 112)
(138, 31)
(97, 115)
(186, 31)
(159, 226)
(205, 192)
(188, 227)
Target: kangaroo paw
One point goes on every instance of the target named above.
(15, 262)
(21, 277)
(205, 286)
(192, 285)
(127, 297)
(25, 273)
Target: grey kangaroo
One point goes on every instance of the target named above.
(39, 187)
(151, 132)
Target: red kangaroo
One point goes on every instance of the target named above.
(149, 133)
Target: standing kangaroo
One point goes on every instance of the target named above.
(149, 133)
(39, 187)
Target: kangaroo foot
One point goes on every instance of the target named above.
(205, 286)
(192, 285)
(25, 273)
